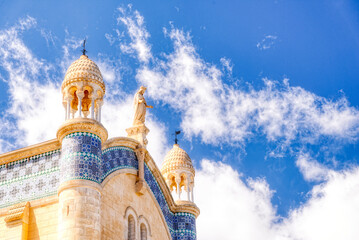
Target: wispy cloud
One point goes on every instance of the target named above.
(311, 169)
(267, 42)
(48, 36)
(134, 23)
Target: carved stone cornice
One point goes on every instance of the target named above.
(121, 141)
(187, 207)
(82, 125)
(29, 151)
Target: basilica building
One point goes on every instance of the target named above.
(82, 185)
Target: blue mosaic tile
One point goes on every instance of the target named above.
(30, 178)
(182, 226)
(115, 158)
(81, 157)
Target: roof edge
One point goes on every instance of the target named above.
(29, 151)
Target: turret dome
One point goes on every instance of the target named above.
(83, 69)
(177, 159)
(83, 90)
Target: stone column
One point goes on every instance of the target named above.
(80, 96)
(100, 103)
(178, 182)
(93, 106)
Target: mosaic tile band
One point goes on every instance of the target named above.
(81, 157)
(29, 179)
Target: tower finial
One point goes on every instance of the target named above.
(176, 134)
(84, 47)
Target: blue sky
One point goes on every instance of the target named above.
(265, 93)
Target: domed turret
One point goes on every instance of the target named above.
(83, 89)
(81, 141)
(178, 171)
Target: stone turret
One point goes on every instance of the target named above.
(81, 137)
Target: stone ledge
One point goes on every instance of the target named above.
(82, 125)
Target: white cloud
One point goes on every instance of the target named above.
(267, 42)
(230, 208)
(48, 36)
(111, 39)
(331, 212)
(110, 69)
(311, 169)
(234, 209)
(227, 65)
(137, 32)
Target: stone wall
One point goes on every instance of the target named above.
(117, 195)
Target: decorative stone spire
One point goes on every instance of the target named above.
(83, 90)
(178, 171)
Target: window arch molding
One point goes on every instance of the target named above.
(130, 212)
(143, 220)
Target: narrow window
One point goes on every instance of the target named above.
(143, 232)
(131, 228)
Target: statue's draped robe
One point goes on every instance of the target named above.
(140, 109)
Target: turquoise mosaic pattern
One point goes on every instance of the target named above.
(185, 225)
(81, 157)
(30, 178)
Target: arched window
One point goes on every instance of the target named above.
(131, 228)
(131, 224)
(143, 232)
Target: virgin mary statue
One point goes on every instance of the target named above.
(140, 106)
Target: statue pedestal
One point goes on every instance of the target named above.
(139, 133)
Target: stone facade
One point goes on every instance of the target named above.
(85, 186)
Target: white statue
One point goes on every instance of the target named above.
(140, 106)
